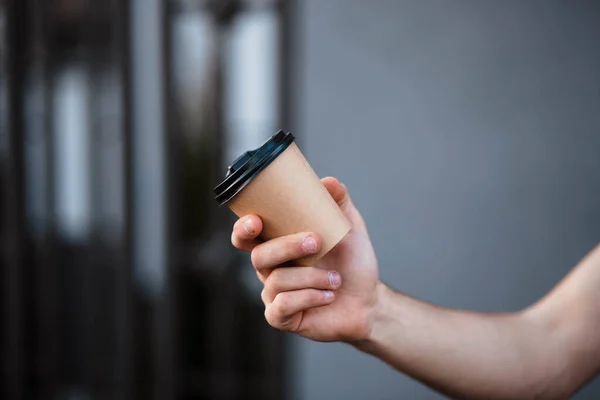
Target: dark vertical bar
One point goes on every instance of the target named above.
(222, 320)
(151, 238)
(3, 151)
(93, 255)
(14, 213)
(124, 312)
(163, 325)
(223, 377)
(46, 267)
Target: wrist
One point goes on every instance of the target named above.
(376, 318)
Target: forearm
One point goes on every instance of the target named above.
(464, 354)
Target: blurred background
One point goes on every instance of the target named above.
(467, 132)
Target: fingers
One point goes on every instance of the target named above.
(283, 312)
(288, 290)
(336, 189)
(340, 194)
(295, 278)
(246, 231)
(291, 290)
(283, 249)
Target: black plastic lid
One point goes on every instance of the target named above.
(250, 164)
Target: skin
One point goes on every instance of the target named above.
(546, 351)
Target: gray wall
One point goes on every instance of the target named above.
(469, 135)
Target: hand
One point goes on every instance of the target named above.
(330, 301)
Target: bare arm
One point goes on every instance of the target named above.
(546, 351)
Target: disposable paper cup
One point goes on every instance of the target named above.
(276, 183)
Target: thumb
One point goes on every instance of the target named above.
(340, 194)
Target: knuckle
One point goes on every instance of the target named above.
(256, 257)
(281, 305)
(264, 296)
(273, 320)
(262, 254)
(261, 276)
(269, 316)
(274, 279)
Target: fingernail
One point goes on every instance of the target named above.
(327, 294)
(248, 227)
(309, 244)
(334, 278)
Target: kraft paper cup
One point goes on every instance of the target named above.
(276, 183)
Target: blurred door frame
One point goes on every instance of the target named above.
(107, 291)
